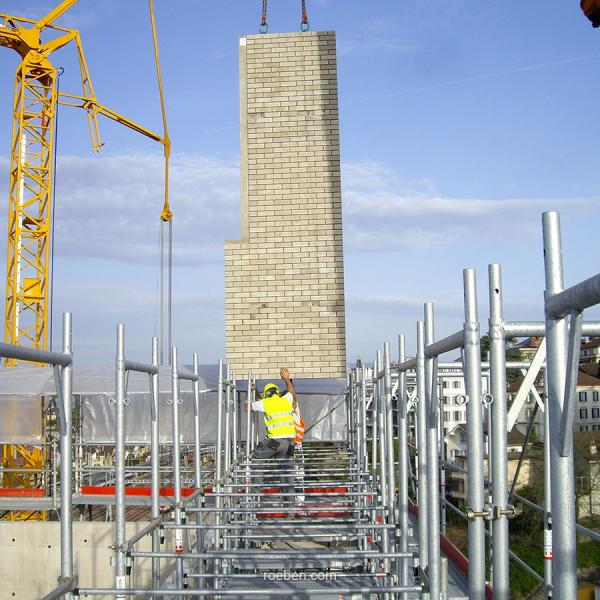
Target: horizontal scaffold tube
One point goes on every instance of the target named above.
(33, 355)
(538, 328)
(131, 365)
(289, 593)
(577, 298)
(447, 344)
(275, 554)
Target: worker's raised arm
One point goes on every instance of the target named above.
(285, 375)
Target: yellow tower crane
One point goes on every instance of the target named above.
(36, 97)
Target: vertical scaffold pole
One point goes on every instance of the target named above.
(354, 399)
(499, 469)
(349, 409)
(421, 418)
(155, 463)
(387, 384)
(475, 497)
(227, 419)
(383, 456)
(248, 414)
(253, 416)
(381, 408)
(374, 424)
(197, 451)
(562, 487)
(234, 418)
(176, 467)
(442, 451)
(548, 551)
(218, 467)
(402, 467)
(433, 484)
(361, 418)
(66, 457)
(120, 567)
(228, 457)
(363, 408)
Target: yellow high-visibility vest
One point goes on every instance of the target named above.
(279, 417)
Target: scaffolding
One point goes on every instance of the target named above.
(363, 516)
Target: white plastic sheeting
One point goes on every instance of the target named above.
(21, 388)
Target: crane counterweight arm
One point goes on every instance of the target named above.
(55, 14)
(111, 114)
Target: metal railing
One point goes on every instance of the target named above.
(62, 363)
(356, 494)
(562, 331)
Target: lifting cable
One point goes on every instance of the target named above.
(166, 215)
(264, 25)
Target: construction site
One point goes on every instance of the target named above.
(291, 468)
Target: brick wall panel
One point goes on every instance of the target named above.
(284, 279)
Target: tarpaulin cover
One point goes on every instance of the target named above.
(321, 403)
(21, 389)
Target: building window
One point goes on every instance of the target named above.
(595, 396)
(595, 413)
(445, 383)
(456, 384)
(583, 413)
(582, 396)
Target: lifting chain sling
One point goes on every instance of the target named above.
(264, 26)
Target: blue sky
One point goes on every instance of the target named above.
(461, 122)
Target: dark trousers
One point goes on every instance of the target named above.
(282, 469)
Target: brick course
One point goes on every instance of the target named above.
(284, 280)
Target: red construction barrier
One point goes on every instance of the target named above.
(109, 490)
(309, 490)
(454, 554)
(334, 490)
(22, 492)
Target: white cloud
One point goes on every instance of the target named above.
(383, 213)
(393, 301)
(109, 206)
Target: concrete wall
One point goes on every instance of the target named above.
(284, 279)
(30, 563)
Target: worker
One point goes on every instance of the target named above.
(278, 412)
